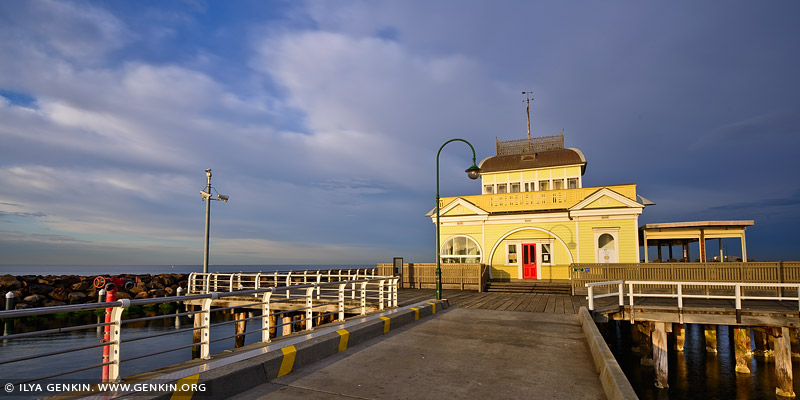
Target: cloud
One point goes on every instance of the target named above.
(82, 34)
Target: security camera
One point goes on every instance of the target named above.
(205, 195)
(222, 197)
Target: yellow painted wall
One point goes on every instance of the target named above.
(531, 175)
(583, 240)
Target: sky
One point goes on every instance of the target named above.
(321, 120)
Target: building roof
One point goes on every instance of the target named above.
(699, 224)
(551, 158)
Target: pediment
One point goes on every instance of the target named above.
(458, 207)
(605, 198)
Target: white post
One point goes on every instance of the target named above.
(341, 301)
(621, 294)
(738, 290)
(265, 311)
(363, 298)
(114, 338)
(380, 294)
(395, 283)
(591, 298)
(680, 296)
(205, 331)
(309, 308)
(630, 295)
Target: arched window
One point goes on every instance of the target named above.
(605, 241)
(461, 249)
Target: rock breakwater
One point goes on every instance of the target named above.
(57, 290)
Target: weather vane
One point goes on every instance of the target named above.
(527, 101)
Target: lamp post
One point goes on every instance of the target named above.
(207, 198)
(473, 173)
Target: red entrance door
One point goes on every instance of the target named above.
(529, 261)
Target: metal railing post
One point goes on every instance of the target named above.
(114, 340)
(265, 311)
(288, 282)
(680, 296)
(309, 308)
(319, 280)
(591, 298)
(380, 294)
(630, 295)
(363, 298)
(621, 294)
(341, 301)
(395, 283)
(205, 331)
(258, 281)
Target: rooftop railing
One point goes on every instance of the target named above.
(538, 200)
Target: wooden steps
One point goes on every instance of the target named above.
(529, 286)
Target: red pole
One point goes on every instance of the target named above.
(111, 295)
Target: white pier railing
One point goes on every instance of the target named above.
(680, 291)
(312, 300)
(228, 282)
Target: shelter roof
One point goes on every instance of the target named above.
(698, 224)
(551, 158)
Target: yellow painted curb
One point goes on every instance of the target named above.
(190, 382)
(288, 360)
(386, 322)
(416, 313)
(344, 336)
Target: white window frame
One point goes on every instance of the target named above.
(614, 232)
(444, 256)
(538, 243)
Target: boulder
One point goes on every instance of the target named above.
(166, 279)
(33, 299)
(81, 286)
(22, 306)
(53, 303)
(169, 290)
(8, 282)
(60, 294)
(123, 295)
(141, 295)
(77, 298)
(38, 288)
(156, 293)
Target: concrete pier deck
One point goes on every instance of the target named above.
(458, 353)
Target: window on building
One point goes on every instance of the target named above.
(511, 253)
(515, 188)
(558, 184)
(460, 249)
(572, 183)
(488, 189)
(544, 185)
(502, 188)
(530, 186)
(546, 257)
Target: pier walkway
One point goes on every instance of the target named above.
(458, 354)
(469, 346)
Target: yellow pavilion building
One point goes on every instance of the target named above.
(534, 217)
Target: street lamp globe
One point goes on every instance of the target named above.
(473, 172)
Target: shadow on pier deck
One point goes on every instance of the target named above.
(481, 346)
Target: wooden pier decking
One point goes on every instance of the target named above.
(523, 302)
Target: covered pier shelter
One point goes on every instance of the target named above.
(685, 233)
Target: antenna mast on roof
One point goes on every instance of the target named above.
(527, 100)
